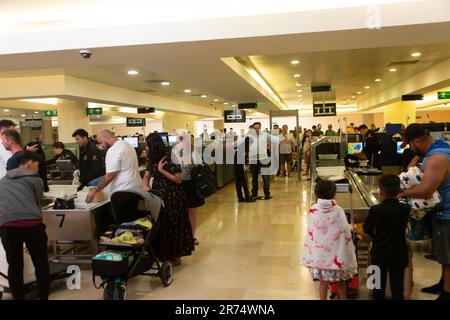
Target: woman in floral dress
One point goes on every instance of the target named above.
(175, 240)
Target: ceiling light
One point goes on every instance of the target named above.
(353, 97)
(132, 72)
(416, 54)
(377, 80)
(367, 87)
(23, 115)
(187, 91)
(359, 92)
(295, 62)
(299, 90)
(97, 116)
(300, 95)
(165, 83)
(216, 100)
(6, 110)
(298, 84)
(296, 75)
(203, 96)
(225, 103)
(36, 112)
(392, 69)
(255, 75)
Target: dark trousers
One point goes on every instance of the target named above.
(240, 179)
(256, 169)
(35, 239)
(396, 279)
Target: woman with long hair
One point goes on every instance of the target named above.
(176, 238)
(189, 187)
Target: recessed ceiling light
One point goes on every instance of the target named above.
(392, 69)
(6, 110)
(353, 97)
(203, 96)
(367, 87)
(359, 92)
(416, 54)
(165, 83)
(299, 90)
(36, 112)
(296, 75)
(225, 103)
(187, 91)
(295, 62)
(298, 84)
(377, 80)
(132, 72)
(216, 100)
(300, 95)
(23, 115)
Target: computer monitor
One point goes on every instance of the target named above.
(400, 150)
(65, 165)
(172, 140)
(354, 147)
(133, 141)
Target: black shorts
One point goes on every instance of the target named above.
(441, 240)
(285, 158)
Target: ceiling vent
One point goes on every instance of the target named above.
(402, 63)
(155, 81)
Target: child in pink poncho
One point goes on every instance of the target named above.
(328, 250)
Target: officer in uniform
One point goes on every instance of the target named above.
(371, 147)
(240, 177)
(92, 160)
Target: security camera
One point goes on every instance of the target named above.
(85, 54)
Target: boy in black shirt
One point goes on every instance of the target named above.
(386, 223)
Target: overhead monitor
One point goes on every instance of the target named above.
(354, 147)
(133, 141)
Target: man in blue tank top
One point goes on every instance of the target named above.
(435, 156)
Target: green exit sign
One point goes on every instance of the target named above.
(50, 113)
(443, 94)
(94, 111)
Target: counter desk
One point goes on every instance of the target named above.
(76, 230)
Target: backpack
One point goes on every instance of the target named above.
(204, 181)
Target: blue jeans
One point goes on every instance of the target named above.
(256, 169)
(95, 182)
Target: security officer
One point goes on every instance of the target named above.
(371, 147)
(240, 177)
(92, 160)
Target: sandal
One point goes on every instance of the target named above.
(196, 242)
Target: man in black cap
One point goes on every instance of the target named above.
(435, 155)
(371, 147)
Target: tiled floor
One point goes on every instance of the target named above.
(246, 251)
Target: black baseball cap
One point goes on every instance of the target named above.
(414, 131)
